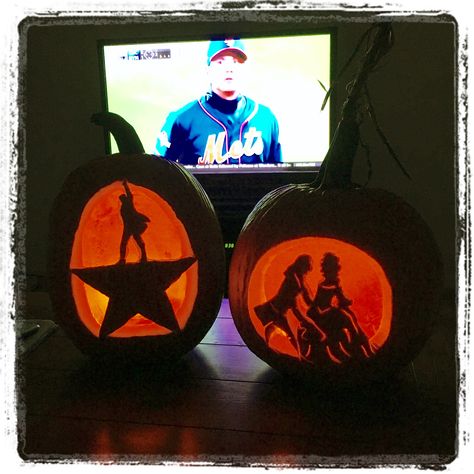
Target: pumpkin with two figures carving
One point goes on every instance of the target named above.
(340, 285)
(331, 280)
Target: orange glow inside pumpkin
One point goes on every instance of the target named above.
(362, 281)
(97, 243)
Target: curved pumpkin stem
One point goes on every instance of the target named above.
(336, 169)
(125, 136)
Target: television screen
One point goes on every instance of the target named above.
(230, 104)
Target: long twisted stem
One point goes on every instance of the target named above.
(336, 169)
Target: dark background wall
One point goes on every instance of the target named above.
(413, 93)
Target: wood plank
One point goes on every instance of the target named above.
(70, 438)
(144, 397)
(235, 363)
(392, 419)
(224, 311)
(223, 332)
(222, 399)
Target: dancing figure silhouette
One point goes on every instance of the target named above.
(330, 310)
(273, 313)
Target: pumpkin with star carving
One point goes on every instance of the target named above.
(136, 257)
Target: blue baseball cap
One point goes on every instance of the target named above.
(233, 46)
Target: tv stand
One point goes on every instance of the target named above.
(234, 195)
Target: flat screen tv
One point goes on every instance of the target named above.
(149, 82)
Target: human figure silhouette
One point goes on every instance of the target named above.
(330, 310)
(273, 313)
(134, 224)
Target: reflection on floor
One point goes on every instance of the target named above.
(223, 404)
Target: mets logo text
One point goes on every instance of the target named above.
(251, 145)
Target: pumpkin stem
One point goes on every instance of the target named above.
(336, 169)
(124, 134)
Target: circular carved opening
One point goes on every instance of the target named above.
(99, 243)
(321, 300)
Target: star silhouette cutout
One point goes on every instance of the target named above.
(136, 288)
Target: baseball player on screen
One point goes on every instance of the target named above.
(223, 126)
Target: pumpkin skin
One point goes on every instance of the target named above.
(103, 288)
(390, 269)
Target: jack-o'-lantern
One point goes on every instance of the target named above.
(334, 281)
(136, 258)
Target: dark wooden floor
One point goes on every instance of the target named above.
(222, 404)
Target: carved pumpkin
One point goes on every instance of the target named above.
(334, 281)
(366, 316)
(136, 260)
